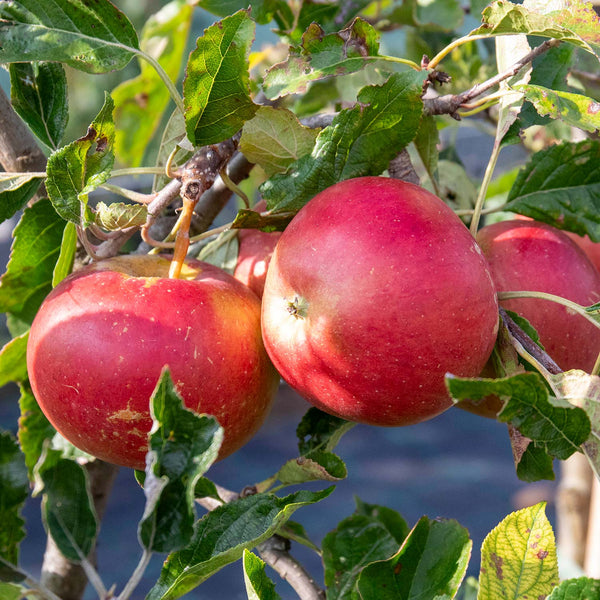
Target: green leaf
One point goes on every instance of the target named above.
(261, 10)
(93, 37)
(360, 141)
(79, 168)
(118, 215)
(323, 55)
(38, 93)
(205, 488)
(182, 446)
(140, 102)
(15, 488)
(560, 185)
(36, 247)
(10, 591)
(274, 138)
(454, 185)
(15, 192)
(390, 519)
(518, 557)
(574, 109)
(318, 466)
(251, 219)
(67, 507)
(13, 364)
(319, 431)
(549, 70)
(258, 585)
(357, 541)
(582, 588)
(576, 24)
(431, 563)
(34, 428)
(556, 426)
(66, 257)
(534, 464)
(222, 251)
(446, 15)
(294, 20)
(216, 86)
(426, 143)
(296, 533)
(221, 536)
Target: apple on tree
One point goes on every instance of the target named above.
(526, 255)
(102, 337)
(375, 291)
(254, 255)
(591, 249)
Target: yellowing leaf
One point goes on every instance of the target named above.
(575, 109)
(518, 557)
(577, 24)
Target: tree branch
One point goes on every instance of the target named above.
(19, 151)
(521, 336)
(275, 552)
(450, 103)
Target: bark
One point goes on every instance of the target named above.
(19, 151)
(592, 555)
(573, 507)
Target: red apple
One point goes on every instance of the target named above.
(531, 256)
(102, 337)
(591, 249)
(254, 254)
(375, 291)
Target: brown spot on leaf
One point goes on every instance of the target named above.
(90, 135)
(101, 144)
(497, 562)
(542, 554)
(142, 99)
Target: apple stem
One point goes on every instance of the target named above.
(197, 176)
(182, 240)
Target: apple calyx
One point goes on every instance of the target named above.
(298, 307)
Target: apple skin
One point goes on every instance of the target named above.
(529, 255)
(591, 249)
(102, 337)
(254, 255)
(375, 291)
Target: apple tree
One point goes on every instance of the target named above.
(308, 142)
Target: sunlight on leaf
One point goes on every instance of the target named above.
(518, 557)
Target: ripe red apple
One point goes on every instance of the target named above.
(531, 256)
(591, 249)
(254, 254)
(101, 338)
(375, 291)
